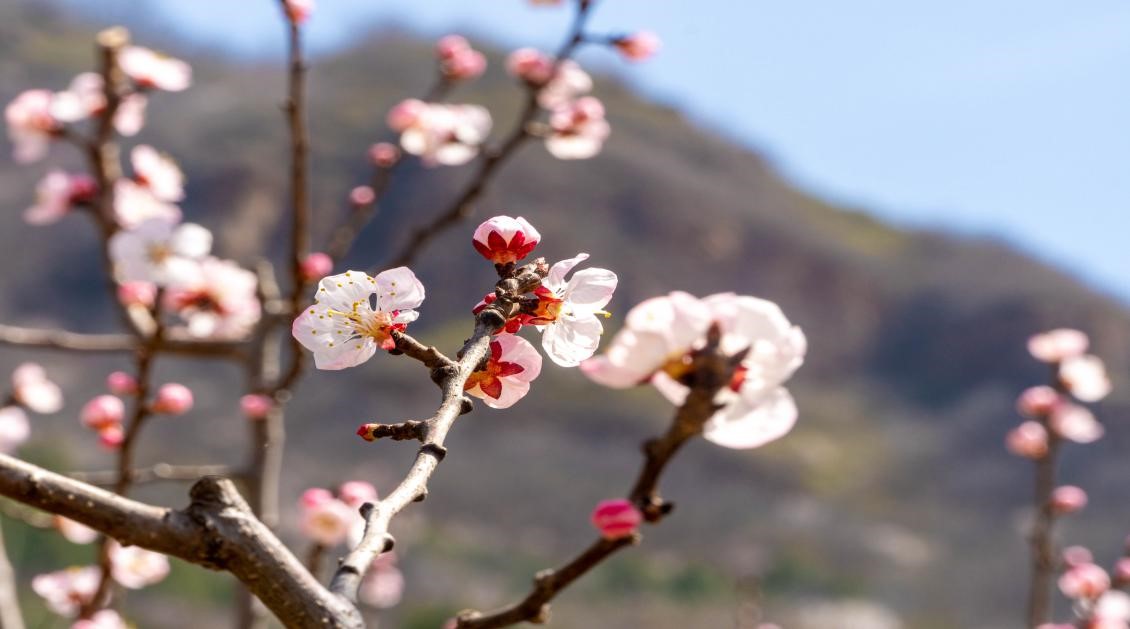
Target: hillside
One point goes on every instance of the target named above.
(893, 489)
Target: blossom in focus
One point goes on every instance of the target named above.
(157, 172)
(173, 399)
(1085, 377)
(616, 518)
(1084, 581)
(101, 619)
(440, 133)
(1029, 440)
(1075, 423)
(65, 591)
(457, 60)
(659, 335)
(323, 518)
(135, 204)
(316, 265)
(56, 193)
(74, 532)
(567, 311)
(159, 251)
(298, 11)
(31, 125)
(219, 301)
(134, 567)
(1068, 499)
(255, 405)
(637, 46)
(532, 66)
(383, 584)
(343, 329)
(121, 383)
(1057, 345)
(14, 428)
(577, 129)
(102, 412)
(153, 70)
(32, 389)
(512, 366)
(566, 84)
(504, 240)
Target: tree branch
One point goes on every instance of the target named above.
(158, 472)
(216, 531)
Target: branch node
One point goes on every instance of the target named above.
(438, 451)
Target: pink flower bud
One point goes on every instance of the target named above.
(530, 65)
(103, 412)
(1057, 345)
(503, 239)
(1037, 401)
(405, 114)
(1029, 440)
(464, 65)
(316, 266)
(173, 399)
(616, 518)
(111, 436)
(83, 188)
(255, 405)
(1085, 581)
(137, 294)
(638, 46)
(356, 493)
(1077, 555)
(383, 154)
(121, 383)
(1068, 499)
(450, 46)
(314, 496)
(362, 195)
(1122, 570)
(298, 11)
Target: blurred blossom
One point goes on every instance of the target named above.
(56, 193)
(1077, 555)
(103, 412)
(157, 172)
(159, 251)
(86, 98)
(638, 46)
(1085, 377)
(616, 518)
(298, 11)
(255, 405)
(74, 532)
(101, 619)
(135, 204)
(383, 154)
(1111, 610)
(458, 61)
(1075, 423)
(1068, 499)
(1122, 570)
(219, 301)
(153, 70)
(439, 133)
(531, 66)
(32, 389)
(111, 436)
(566, 84)
(343, 330)
(356, 493)
(383, 584)
(1057, 345)
(173, 399)
(504, 240)
(362, 195)
(14, 428)
(67, 590)
(323, 518)
(1085, 581)
(1029, 440)
(506, 378)
(656, 343)
(577, 129)
(134, 567)
(137, 294)
(1037, 401)
(316, 265)
(121, 383)
(31, 125)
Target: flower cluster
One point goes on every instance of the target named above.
(457, 60)
(440, 133)
(1052, 412)
(66, 591)
(31, 390)
(1096, 604)
(104, 414)
(657, 343)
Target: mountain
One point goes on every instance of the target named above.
(893, 497)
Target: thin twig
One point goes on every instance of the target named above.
(174, 342)
(157, 472)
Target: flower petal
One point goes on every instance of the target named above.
(590, 289)
(398, 289)
(342, 291)
(571, 340)
(751, 422)
(555, 281)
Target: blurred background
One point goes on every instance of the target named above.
(920, 188)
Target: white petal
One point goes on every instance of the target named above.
(572, 339)
(555, 280)
(342, 291)
(14, 428)
(749, 423)
(398, 289)
(512, 391)
(629, 361)
(191, 241)
(590, 289)
(675, 392)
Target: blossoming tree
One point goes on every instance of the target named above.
(722, 360)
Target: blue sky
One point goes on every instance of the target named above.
(1009, 117)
